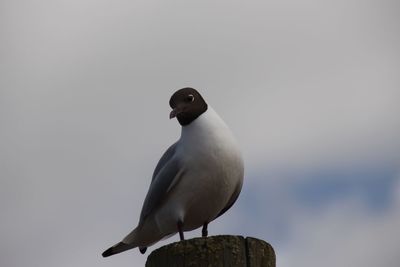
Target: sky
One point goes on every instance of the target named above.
(310, 89)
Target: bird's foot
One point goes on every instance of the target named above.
(204, 231)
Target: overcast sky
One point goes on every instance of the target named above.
(311, 90)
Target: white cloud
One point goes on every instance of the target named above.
(345, 234)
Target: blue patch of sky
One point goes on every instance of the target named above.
(269, 203)
(373, 186)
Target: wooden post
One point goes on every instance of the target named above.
(214, 251)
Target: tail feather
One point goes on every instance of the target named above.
(118, 248)
(142, 249)
(142, 236)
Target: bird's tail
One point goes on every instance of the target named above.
(130, 241)
(117, 248)
(142, 236)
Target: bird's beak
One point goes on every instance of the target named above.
(176, 111)
(173, 113)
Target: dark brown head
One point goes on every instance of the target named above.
(187, 104)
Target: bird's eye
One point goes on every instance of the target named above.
(189, 98)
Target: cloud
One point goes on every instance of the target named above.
(351, 221)
(345, 234)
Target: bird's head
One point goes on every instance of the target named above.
(187, 104)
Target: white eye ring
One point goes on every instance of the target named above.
(190, 98)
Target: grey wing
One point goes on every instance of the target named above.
(167, 172)
(164, 159)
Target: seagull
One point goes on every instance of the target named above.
(196, 180)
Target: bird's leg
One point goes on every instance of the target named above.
(180, 230)
(204, 231)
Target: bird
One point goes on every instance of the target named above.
(196, 180)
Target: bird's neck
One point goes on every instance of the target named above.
(207, 125)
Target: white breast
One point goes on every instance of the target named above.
(213, 170)
(208, 131)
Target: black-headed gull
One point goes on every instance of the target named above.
(196, 180)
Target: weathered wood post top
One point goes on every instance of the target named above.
(214, 251)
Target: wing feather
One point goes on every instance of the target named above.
(164, 159)
(167, 172)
